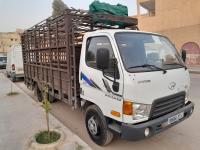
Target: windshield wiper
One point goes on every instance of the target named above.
(177, 64)
(149, 65)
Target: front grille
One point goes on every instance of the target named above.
(167, 104)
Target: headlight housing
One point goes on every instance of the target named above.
(141, 111)
(186, 96)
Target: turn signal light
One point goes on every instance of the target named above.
(115, 113)
(128, 108)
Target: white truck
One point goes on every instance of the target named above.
(14, 66)
(130, 83)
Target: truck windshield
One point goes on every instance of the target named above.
(139, 49)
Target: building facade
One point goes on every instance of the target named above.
(7, 39)
(177, 19)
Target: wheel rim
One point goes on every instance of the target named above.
(92, 126)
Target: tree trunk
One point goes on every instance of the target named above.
(47, 119)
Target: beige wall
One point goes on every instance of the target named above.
(171, 14)
(177, 19)
(7, 39)
(182, 35)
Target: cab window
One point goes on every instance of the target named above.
(92, 45)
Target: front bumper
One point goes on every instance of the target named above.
(136, 131)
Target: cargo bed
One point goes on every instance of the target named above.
(51, 51)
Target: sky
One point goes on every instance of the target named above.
(26, 13)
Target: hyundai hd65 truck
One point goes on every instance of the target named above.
(130, 83)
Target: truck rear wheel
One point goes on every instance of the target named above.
(38, 93)
(96, 126)
(51, 98)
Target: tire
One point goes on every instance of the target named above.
(13, 79)
(97, 127)
(38, 93)
(8, 76)
(51, 98)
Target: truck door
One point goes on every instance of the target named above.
(96, 86)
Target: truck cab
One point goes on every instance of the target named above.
(136, 82)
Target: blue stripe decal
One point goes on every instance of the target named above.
(86, 79)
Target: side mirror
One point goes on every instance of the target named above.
(115, 86)
(102, 58)
(183, 55)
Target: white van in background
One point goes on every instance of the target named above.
(3, 60)
(14, 67)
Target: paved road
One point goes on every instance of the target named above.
(185, 136)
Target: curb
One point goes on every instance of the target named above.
(194, 71)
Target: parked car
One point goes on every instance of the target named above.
(14, 67)
(3, 60)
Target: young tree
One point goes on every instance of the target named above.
(47, 106)
(58, 8)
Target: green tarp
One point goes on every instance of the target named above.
(118, 10)
(104, 8)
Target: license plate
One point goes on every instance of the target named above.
(175, 118)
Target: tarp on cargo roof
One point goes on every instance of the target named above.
(97, 7)
(118, 10)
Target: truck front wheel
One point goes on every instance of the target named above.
(97, 127)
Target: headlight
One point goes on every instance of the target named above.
(186, 96)
(141, 111)
(187, 89)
